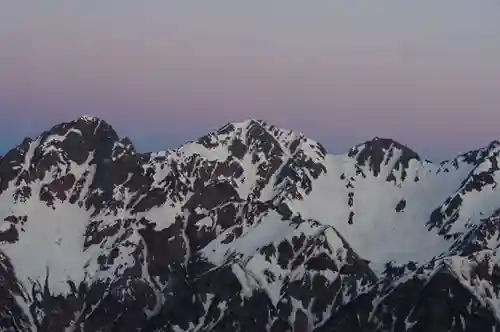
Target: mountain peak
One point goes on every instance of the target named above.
(493, 145)
(385, 143)
(248, 122)
(380, 145)
(379, 152)
(80, 137)
(62, 148)
(477, 156)
(264, 137)
(89, 118)
(240, 126)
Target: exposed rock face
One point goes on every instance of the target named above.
(249, 228)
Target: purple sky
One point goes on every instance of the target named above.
(426, 72)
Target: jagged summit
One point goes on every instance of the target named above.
(242, 124)
(493, 145)
(380, 144)
(97, 131)
(90, 118)
(85, 126)
(248, 228)
(383, 152)
(77, 138)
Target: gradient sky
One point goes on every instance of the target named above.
(426, 72)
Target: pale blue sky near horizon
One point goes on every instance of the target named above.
(426, 73)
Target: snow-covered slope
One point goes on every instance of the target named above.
(249, 228)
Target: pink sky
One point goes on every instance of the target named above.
(424, 73)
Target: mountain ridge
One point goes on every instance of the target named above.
(91, 118)
(248, 228)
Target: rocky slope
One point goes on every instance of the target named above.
(249, 228)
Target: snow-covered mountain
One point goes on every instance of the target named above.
(249, 228)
